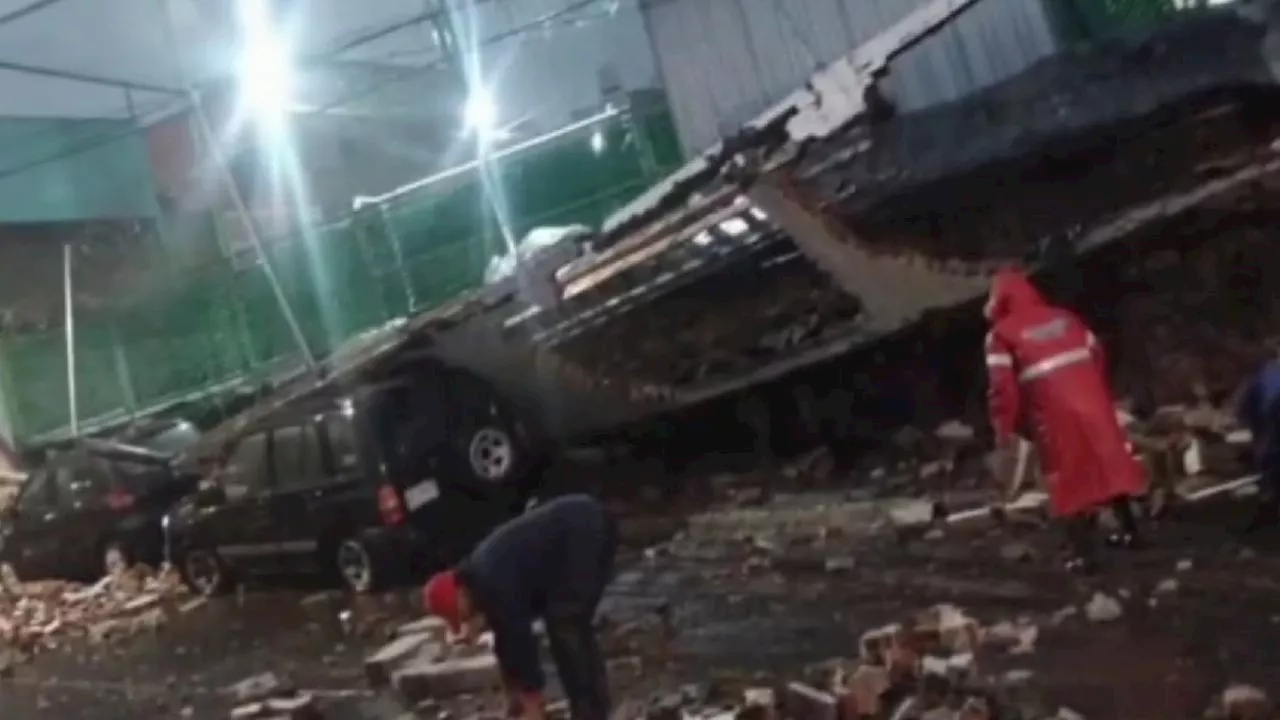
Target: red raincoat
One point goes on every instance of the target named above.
(1047, 375)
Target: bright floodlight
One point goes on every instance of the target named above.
(597, 141)
(480, 113)
(265, 73)
(266, 83)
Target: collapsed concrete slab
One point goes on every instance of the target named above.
(877, 225)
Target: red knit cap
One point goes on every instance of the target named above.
(440, 598)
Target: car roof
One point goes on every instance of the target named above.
(110, 450)
(367, 363)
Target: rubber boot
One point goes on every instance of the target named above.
(1266, 515)
(1081, 559)
(1126, 535)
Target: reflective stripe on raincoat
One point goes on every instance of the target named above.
(1047, 380)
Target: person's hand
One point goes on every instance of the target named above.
(514, 706)
(531, 706)
(462, 638)
(468, 633)
(999, 463)
(1003, 463)
(522, 705)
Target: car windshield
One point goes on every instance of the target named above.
(173, 440)
(134, 471)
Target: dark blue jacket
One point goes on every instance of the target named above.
(1260, 412)
(553, 560)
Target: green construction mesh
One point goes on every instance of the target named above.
(1085, 21)
(193, 328)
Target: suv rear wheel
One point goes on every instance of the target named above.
(204, 572)
(493, 454)
(357, 566)
(115, 559)
(488, 441)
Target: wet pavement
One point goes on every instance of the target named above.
(758, 592)
(186, 666)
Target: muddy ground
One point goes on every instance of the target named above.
(758, 590)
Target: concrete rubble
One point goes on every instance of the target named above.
(926, 667)
(40, 616)
(268, 697)
(1103, 608)
(1242, 702)
(1184, 448)
(420, 665)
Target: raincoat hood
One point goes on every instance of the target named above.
(1011, 290)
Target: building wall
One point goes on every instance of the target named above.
(725, 61)
(59, 170)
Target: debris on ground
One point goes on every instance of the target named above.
(38, 616)
(1242, 702)
(267, 696)
(926, 667)
(1103, 608)
(420, 664)
(1017, 551)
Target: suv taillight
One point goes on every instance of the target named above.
(389, 505)
(119, 500)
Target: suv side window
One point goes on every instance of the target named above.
(338, 440)
(407, 425)
(245, 472)
(37, 493)
(81, 483)
(296, 456)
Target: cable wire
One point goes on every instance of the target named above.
(345, 99)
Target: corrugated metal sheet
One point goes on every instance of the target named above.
(725, 61)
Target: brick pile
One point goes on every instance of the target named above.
(420, 667)
(926, 667)
(39, 616)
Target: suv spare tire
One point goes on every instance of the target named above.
(489, 442)
(204, 573)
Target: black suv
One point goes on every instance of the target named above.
(373, 486)
(91, 507)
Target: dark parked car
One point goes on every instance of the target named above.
(91, 507)
(373, 487)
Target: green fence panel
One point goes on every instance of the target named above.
(1087, 21)
(184, 339)
(201, 326)
(98, 389)
(37, 366)
(353, 298)
(38, 391)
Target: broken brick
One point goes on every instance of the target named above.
(956, 631)
(804, 702)
(976, 708)
(863, 691)
(247, 711)
(874, 644)
(425, 678)
(1103, 608)
(379, 666)
(431, 626)
(301, 706)
(628, 666)
(1245, 702)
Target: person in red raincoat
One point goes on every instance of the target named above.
(1048, 379)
